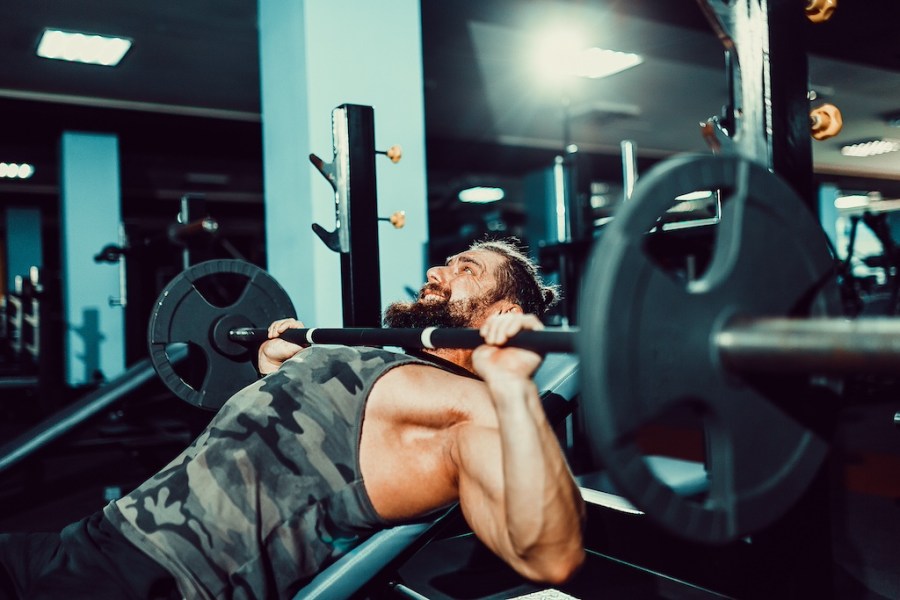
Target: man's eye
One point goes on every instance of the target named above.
(469, 270)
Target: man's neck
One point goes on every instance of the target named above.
(458, 356)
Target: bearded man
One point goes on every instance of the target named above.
(333, 444)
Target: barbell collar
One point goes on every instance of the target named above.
(544, 341)
(815, 346)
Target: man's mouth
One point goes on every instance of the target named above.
(432, 295)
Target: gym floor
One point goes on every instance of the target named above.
(866, 507)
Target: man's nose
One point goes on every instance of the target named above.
(436, 274)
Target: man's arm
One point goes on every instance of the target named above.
(274, 351)
(516, 490)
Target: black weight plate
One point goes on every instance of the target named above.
(184, 314)
(646, 345)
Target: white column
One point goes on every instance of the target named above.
(89, 219)
(316, 55)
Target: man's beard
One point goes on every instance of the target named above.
(435, 313)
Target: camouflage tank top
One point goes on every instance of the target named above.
(271, 491)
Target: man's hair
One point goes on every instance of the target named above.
(518, 280)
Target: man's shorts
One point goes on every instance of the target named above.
(87, 559)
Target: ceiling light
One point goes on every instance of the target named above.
(552, 54)
(81, 47)
(481, 195)
(16, 171)
(595, 63)
(871, 148)
(563, 53)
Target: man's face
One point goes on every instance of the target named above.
(459, 294)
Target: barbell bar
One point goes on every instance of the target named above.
(824, 346)
(817, 346)
(545, 340)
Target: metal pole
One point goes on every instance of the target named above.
(360, 267)
(352, 175)
(746, 345)
(766, 56)
(816, 346)
(551, 339)
(629, 168)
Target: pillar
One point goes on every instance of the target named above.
(89, 219)
(314, 56)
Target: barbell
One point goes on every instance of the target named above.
(720, 345)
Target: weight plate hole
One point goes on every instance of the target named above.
(682, 242)
(221, 289)
(674, 447)
(193, 370)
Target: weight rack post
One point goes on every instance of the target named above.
(768, 69)
(355, 237)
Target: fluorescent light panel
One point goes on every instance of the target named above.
(16, 171)
(596, 63)
(481, 195)
(82, 47)
(871, 148)
(562, 53)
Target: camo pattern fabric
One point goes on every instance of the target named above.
(271, 491)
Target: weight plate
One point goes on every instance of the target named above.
(185, 313)
(647, 345)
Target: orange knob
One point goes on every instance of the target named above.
(398, 219)
(708, 131)
(819, 11)
(395, 153)
(825, 122)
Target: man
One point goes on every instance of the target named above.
(336, 443)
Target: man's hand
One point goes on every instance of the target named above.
(274, 351)
(494, 362)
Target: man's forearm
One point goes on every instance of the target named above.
(543, 507)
